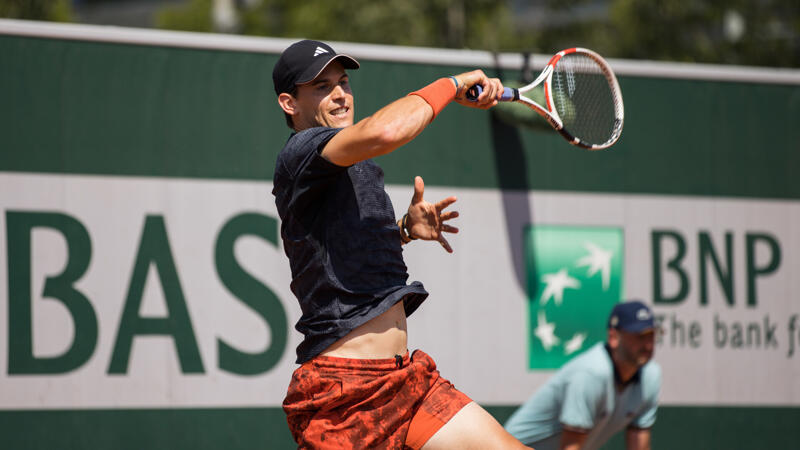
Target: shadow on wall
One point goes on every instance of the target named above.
(512, 176)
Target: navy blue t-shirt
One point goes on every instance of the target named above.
(342, 240)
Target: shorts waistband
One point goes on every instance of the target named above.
(357, 363)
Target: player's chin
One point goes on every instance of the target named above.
(340, 120)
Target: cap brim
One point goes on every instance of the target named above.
(315, 69)
(639, 328)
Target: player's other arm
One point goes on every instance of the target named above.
(637, 439)
(402, 120)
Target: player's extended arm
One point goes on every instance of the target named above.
(402, 120)
(572, 440)
(637, 439)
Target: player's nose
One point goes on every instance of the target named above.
(338, 92)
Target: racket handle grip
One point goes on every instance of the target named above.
(509, 94)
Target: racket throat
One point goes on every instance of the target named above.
(554, 120)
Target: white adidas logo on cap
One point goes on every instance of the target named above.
(320, 51)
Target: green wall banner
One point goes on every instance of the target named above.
(574, 276)
(144, 292)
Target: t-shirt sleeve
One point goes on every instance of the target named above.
(303, 168)
(581, 401)
(647, 418)
(651, 379)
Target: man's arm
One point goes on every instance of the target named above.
(637, 435)
(637, 439)
(401, 121)
(572, 439)
(582, 397)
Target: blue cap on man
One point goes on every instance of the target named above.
(631, 317)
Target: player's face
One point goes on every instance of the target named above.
(637, 348)
(325, 101)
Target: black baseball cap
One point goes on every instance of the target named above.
(302, 61)
(631, 317)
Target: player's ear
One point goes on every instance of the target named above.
(287, 102)
(613, 338)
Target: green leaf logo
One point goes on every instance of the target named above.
(575, 277)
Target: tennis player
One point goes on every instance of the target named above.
(357, 385)
(610, 387)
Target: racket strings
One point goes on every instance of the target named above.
(583, 97)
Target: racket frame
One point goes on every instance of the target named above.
(549, 112)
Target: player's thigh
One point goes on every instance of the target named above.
(472, 428)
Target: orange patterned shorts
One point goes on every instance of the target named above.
(341, 403)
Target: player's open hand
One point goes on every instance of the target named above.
(427, 220)
(492, 89)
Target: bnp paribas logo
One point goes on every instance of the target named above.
(574, 279)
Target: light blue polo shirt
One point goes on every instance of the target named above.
(582, 395)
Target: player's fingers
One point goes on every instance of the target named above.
(419, 190)
(488, 95)
(447, 215)
(493, 88)
(468, 79)
(474, 77)
(449, 229)
(498, 86)
(442, 204)
(445, 244)
(489, 100)
(490, 89)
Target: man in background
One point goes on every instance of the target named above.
(610, 387)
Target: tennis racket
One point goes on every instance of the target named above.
(583, 101)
